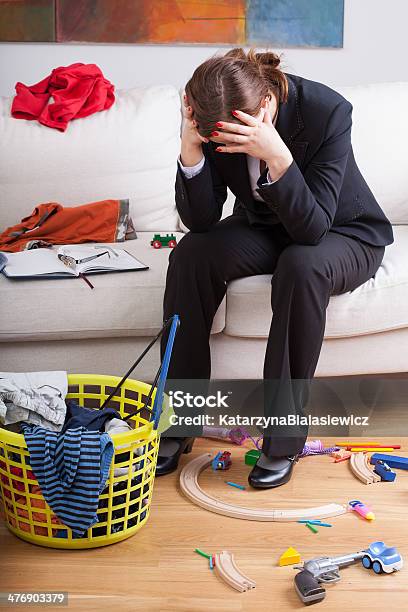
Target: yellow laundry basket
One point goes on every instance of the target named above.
(124, 505)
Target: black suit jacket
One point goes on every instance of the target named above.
(322, 190)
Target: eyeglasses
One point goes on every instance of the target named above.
(71, 262)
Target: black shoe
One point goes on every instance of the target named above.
(262, 478)
(168, 464)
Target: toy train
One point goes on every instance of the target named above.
(222, 461)
(158, 241)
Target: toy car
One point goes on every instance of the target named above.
(383, 469)
(169, 240)
(222, 461)
(382, 558)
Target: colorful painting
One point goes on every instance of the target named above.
(295, 23)
(151, 21)
(270, 23)
(27, 20)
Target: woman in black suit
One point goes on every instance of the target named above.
(303, 212)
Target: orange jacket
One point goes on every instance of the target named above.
(52, 223)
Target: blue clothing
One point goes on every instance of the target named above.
(71, 469)
(91, 419)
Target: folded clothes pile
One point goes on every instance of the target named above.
(71, 454)
(33, 397)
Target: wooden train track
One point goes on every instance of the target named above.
(361, 470)
(227, 570)
(191, 489)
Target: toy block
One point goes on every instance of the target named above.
(252, 456)
(392, 461)
(289, 557)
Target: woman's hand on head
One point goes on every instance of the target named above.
(257, 137)
(190, 136)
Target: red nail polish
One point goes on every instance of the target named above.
(218, 149)
(234, 112)
(214, 134)
(218, 124)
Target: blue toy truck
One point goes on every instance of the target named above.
(382, 558)
(383, 469)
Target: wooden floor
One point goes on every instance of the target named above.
(157, 569)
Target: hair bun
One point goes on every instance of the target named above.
(269, 59)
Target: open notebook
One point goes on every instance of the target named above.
(47, 263)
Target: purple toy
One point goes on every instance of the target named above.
(315, 447)
(237, 436)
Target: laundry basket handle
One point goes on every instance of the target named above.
(158, 399)
(175, 321)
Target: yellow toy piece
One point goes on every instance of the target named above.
(289, 557)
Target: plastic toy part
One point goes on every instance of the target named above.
(382, 559)
(158, 241)
(237, 435)
(252, 456)
(370, 449)
(289, 557)
(316, 447)
(222, 461)
(318, 523)
(384, 471)
(401, 463)
(320, 571)
(227, 570)
(349, 445)
(361, 470)
(191, 489)
(341, 455)
(234, 484)
(202, 553)
(362, 509)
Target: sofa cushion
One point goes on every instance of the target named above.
(121, 304)
(379, 136)
(378, 305)
(127, 151)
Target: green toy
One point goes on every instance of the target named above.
(169, 240)
(252, 456)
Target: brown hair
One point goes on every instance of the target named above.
(236, 80)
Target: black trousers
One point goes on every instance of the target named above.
(304, 278)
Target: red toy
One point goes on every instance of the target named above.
(222, 461)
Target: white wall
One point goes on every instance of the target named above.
(375, 49)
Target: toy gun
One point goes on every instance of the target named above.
(322, 570)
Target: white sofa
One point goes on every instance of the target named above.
(130, 152)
